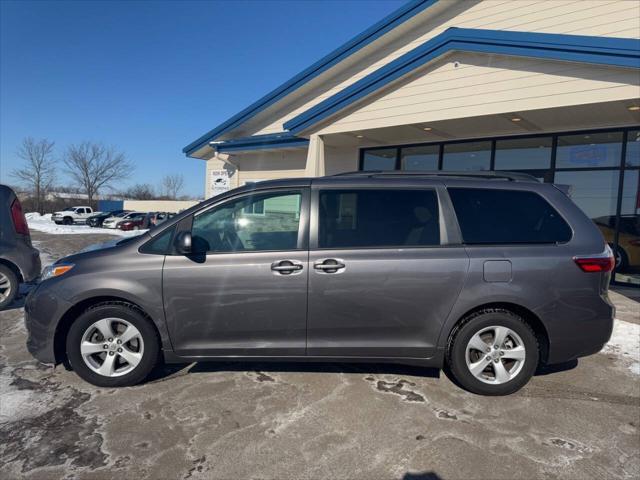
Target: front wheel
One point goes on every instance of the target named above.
(112, 345)
(67, 221)
(8, 286)
(493, 352)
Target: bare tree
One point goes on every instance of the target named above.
(140, 191)
(94, 166)
(39, 170)
(172, 185)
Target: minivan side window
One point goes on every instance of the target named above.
(496, 216)
(370, 218)
(256, 222)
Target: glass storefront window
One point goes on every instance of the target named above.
(588, 150)
(524, 153)
(380, 159)
(595, 192)
(628, 248)
(420, 158)
(633, 149)
(467, 156)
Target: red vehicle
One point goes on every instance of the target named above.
(134, 223)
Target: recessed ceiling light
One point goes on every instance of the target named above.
(516, 119)
(633, 108)
(359, 136)
(427, 129)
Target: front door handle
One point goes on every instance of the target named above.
(329, 265)
(286, 267)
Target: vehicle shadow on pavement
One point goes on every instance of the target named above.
(167, 371)
(421, 476)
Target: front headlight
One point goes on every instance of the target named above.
(55, 270)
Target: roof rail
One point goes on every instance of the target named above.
(510, 176)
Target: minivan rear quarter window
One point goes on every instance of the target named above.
(378, 218)
(496, 216)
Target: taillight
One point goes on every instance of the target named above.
(19, 222)
(603, 262)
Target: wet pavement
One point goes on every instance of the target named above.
(241, 420)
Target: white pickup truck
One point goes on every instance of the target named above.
(72, 215)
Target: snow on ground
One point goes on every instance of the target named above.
(43, 223)
(625, 343)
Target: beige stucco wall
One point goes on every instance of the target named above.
(619, 18)
(158, 205)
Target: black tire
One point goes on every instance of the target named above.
(67, 220)
(119, 310)
(476, 322)
(621, 257)
(13, 284)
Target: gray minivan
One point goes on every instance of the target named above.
(19, 261)
(488, 275)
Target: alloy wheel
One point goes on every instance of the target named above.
(112, 347)
(5, 287)
(495, 355)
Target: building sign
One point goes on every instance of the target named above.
(219, 182)
(588, 155)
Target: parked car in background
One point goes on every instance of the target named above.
(135, 222)
(97, 219)
(19, 261)
(627, 251)
(72, 215)
(489, 274)
(113, 221)
(158, 217)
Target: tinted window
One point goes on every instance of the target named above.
(467, 156)
(523, 153)
(378, 218)
(420, 158)
(489, 216)
(161, 244)
(379, 159)
(252, 223)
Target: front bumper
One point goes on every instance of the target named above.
(43, 311)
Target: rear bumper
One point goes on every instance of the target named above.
(584, 333)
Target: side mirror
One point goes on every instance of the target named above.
(183, 243)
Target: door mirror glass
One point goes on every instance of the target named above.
(183, 243)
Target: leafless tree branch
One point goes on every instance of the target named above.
(94, 166)
(172, 185)
(38, 172)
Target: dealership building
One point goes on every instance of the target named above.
(548, 88)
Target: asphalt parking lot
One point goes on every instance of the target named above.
(298, 421)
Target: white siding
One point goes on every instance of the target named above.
(618, 18)
(489, 84)
(269, 165)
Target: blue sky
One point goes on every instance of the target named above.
(151, 76)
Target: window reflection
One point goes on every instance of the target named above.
(628, 248)
(589, 150)
(467, 156)
(381, 159)
(633, 149)
(523, 153)
(595, 192)
(420, 158)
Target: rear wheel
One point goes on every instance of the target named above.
(493, 352)
(622, 260)
(8, 286)
(112, 345)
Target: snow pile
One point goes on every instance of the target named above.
(625, 342)
(43, 223)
